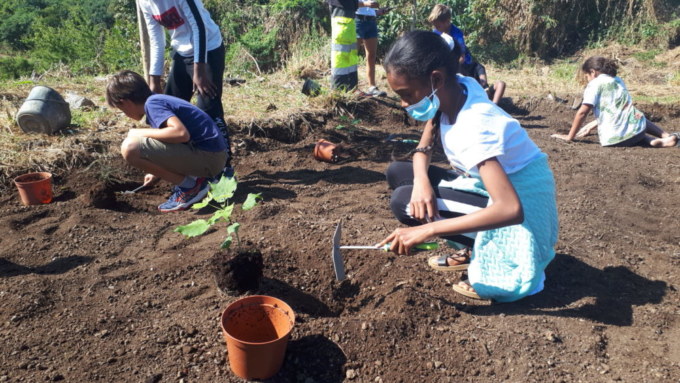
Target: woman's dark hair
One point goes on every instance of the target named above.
(127, 85)
(417, 53)
(600, 64)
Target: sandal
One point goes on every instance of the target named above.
(463, 291)
(461, 259)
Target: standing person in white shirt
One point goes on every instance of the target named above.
(619, 123)
(367, 35)
(503, 194)
(197, 54)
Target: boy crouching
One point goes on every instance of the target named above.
(183, 145)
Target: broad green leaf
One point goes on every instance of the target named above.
(202, 204)
(222, 213)
(224, 189)
(251, 201)
(194, 229)
(340, 127)
(233, 228)
(227, 242)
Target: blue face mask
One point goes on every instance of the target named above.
(426, 109)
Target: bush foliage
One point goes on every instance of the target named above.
(100, 36)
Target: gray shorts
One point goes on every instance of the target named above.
(183, 159)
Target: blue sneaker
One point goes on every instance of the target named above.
(182, 199)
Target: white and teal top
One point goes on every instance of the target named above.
(617, 118)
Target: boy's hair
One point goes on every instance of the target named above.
(417, 53)
(126, 85)
(440, 12)
(600, 64)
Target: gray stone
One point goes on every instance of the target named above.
(79, 102)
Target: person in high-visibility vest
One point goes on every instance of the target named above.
(344, 57)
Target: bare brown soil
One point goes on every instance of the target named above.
(97, 286)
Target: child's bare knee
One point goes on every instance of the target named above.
(130, 148)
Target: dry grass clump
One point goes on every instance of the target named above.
(92, 138)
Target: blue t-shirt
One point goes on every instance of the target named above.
(203, 131)
(457, 35)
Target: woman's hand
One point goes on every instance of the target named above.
(564, 137)
(587, 129)
(423, 204)
(403, 239)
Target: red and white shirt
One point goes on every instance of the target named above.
(192, 30)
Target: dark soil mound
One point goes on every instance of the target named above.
(238, 273)
(101, 197)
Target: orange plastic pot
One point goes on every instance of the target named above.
(257, 329)
(326, 151)
(35, 188)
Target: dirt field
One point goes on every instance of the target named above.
(97, 286)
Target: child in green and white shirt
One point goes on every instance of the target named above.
(619, 123)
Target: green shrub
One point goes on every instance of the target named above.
(262, 45)
(311, 10)
(121, 48)
(15, 26)
(76, 43)
(14, 67)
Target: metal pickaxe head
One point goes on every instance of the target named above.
(338, 264)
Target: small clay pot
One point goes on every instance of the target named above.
(257, 329)
(35, 188)
(326, 151)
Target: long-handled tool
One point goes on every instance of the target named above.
(338, 263)
(135, 190)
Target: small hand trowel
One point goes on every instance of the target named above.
(338, 264)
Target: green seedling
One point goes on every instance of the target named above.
(219, 197)
(353, 124)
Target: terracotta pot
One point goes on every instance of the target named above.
(35, 188)
(257, 329)
(326, 151)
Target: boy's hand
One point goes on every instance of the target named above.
(202, 82)
(150, 179)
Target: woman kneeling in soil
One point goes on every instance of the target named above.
(501, 201)
(184, 146)
(619, 123)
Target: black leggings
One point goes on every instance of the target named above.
(451, 203)
(181, 83)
